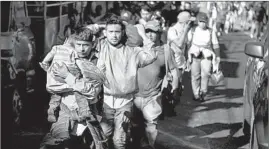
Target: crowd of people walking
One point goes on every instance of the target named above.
(131, 61)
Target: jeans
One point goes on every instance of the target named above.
(61, 131)
(200, 73)
(115, 123)
(151, 109)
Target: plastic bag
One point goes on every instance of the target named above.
(217, 77)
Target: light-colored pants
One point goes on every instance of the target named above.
(256, 29)
(151, 109)
(200, 73)
(115, 123)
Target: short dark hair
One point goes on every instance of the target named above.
(115, 20)
(72, 13)
(83, 34)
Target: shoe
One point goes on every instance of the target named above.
(202, 97)
(51, 116)
(196, 99)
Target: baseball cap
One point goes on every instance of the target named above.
(126, 16)
(153, 25)
(185, 16)
(202, 17)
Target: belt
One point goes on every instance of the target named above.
(202, 46)
(201, 56)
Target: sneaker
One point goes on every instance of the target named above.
(51, 115)
(196, 98)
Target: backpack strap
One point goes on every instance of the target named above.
(167, 69)
(192, 33)
(210, 31)
(166, 57)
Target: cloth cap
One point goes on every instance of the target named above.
(184, 17)
(153, 25)
(202, 17)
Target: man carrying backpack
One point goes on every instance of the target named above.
(202, 55)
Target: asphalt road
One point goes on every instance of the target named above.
(214, 124)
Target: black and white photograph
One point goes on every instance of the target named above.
(134, 74)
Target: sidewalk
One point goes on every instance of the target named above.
(217, 122)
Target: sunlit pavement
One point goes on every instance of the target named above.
(217, 122)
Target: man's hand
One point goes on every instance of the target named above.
(216, 64)
(60, 71)
(141, 30)
(44, 66)
(188, 26)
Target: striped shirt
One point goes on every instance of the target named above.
(66, 54)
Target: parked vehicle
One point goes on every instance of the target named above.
(256, 93)
(13, 88)
(17, 57)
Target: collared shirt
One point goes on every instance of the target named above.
(67, 87)
(120, 65)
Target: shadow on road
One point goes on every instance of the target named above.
(227, 93)
(229, 69)
(229, 142)
(220, 105)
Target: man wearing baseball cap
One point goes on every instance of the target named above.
(177, 35)
(150, 79)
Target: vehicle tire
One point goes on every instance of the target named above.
(18, 95)
(16, 107)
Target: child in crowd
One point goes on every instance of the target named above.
(80, 68)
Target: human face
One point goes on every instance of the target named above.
(202, 24)
(83, 48)
(114, 33)
(153, 36)
(145, 15)
(187, 6)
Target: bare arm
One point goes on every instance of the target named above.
(145, 55)
(49, 57)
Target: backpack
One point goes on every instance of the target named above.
(193, 31)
